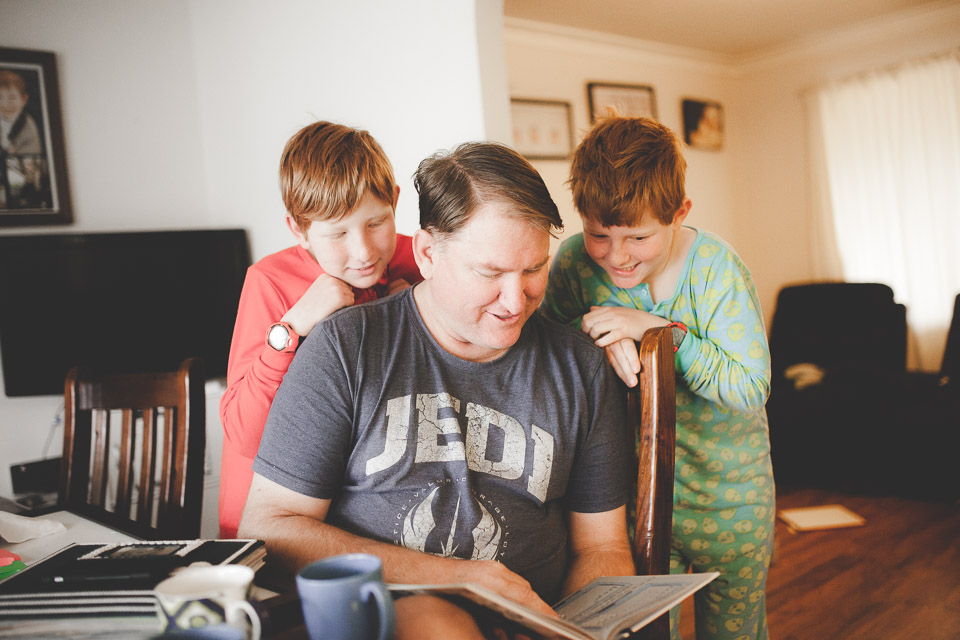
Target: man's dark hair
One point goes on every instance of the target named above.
(453, 184)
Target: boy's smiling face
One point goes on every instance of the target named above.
(633, 255)
(357, 247)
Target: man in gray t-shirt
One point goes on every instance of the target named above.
(448, 429)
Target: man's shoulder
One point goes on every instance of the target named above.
(372, 311)
(559, 337)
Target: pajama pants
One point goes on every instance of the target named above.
(736, 542)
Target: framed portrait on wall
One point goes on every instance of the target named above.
(629, 100)
(541, 128)
(33, 168)
(702, 124)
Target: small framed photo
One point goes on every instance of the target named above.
(33, 167)
(703, 124)
(541, 128)
(628, 100)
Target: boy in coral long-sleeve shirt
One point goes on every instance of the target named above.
(339, 191)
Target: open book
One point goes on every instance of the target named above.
(604, 609)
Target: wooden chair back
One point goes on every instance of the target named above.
(652, 410)
(144, 475)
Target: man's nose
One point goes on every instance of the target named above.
(512, 294)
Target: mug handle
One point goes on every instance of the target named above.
(378, 592)
(249, 611)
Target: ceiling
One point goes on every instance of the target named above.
(736, 28)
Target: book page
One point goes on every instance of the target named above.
(826, 517)
(608, 606)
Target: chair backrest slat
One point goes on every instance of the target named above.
(101, 454)
(148, 455)
(128, 444)
(166, 469)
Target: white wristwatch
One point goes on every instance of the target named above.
(282, 338)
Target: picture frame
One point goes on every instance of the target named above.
(702, 124)
(629, 100)
(33, 168)
(542, 129)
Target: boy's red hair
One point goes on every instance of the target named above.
(625, 167)
(326, 170)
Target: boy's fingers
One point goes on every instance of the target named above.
(621, 364)
(631, 353)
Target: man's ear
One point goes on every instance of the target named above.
(396, 196)
(681, 213)
(424, 247)
(299, 235)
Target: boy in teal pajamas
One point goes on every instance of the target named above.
(635, 267)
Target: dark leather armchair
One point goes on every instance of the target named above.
(844, 412)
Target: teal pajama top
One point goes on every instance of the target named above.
(723, 491)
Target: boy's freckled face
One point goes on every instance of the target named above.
(629, 255)
(357, 247)
(11, 103)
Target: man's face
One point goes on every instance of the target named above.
(11, 102)
(357, 247)
(484, 282)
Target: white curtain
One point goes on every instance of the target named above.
(885, 158)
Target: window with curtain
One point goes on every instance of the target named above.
(885, 153)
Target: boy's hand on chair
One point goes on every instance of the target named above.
(625, 360)
(617, 329)
(326, 295)
(607, 325)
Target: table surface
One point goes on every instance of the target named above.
(78, 530)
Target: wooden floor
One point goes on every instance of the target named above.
(895, 578)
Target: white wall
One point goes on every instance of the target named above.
(753, 192)
(771, 181)
(175, 114)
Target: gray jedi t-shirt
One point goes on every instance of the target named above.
(419, 448)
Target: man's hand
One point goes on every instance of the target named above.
(326, 295)
(499, 579)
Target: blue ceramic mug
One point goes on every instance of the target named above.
(343, 597)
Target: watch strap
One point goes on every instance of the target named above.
(679, 333)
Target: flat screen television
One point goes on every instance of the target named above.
(128, 302)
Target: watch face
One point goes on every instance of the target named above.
(278, 337)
